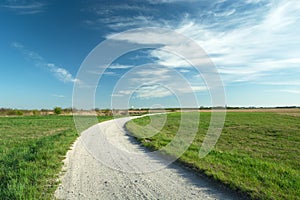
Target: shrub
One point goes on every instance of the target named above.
(19, 112)
(14, 112)
(57, 110)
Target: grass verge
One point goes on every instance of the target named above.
(31, 151)
(258, 153)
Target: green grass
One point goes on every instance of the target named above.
(31, 151)
(257, 153)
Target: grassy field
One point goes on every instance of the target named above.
(31, 151)
(258, 153)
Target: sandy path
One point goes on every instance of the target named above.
(88, 178)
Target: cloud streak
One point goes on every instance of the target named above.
(26, 7)
(59, 72)
(148, 82)
(244, 45)
(253, 43)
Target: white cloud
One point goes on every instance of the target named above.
(146, 82)
(25, 7)
(263, 43)
(225, 14)
(168, 59)
(58, 95)
(173, 47)
(118, 23)
(63, 75)
(152, 91)
(158, 90)
(169, 1)
(122, 93)
(250, 46)
(123, 22)
(150, 76)
(107, 73)
(282, 83)
(158, 73)
(59, 72)
(119, 66)
(143, 36)
(198, 88)
(282, 15)
(253, 1)
(184, 70)
(292, 91)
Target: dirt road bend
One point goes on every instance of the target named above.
(96, 168)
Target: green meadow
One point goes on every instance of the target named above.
(257, 153)
(31, 152)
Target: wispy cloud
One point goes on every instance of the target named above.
(109, 73)
(145, 92)
(127, 15)
(117, 23)
(251, 42)
(59, 72)
(292, 91)
(106, 73)
(244, 45)
(282, 83)
(58, 95)
(147, 82)
(25, 7)
(119, 66)
(267, 46)
(169, 1)
(152, 91)
(159, 91)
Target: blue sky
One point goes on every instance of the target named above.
(254, 45)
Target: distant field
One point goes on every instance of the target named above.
(258, 152)
(31, 151)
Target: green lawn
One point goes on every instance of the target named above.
(258, 153)
(31, 151)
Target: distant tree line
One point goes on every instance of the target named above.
(109, 112)
(26, 112)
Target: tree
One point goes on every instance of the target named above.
(14, 112)
(57, 110)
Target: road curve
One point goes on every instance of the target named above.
(93, 170)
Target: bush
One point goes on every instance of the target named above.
(14, 112)
(57, 110)
(19, 112)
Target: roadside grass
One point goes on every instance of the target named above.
(257, 153)
(31, 152)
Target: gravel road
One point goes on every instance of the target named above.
(100, 166)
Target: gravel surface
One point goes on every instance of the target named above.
(107, 163)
